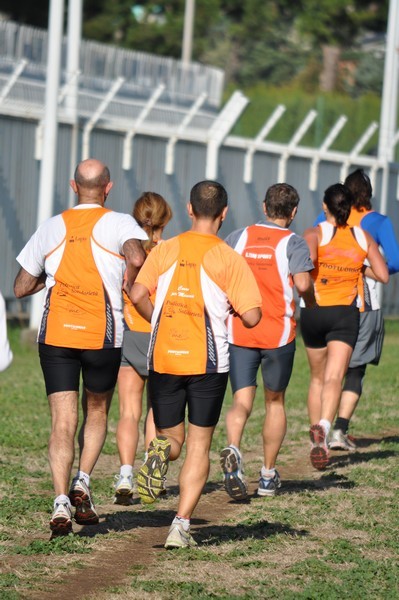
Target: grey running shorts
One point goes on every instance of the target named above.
(276, 365)
(370, 339)
(134, 351)
(324, 324)
(202, 394)
(62, 367)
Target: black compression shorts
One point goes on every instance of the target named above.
(170, 394)
(62, 367)
(324, 324)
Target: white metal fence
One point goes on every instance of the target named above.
(151, 141)
(183, 83)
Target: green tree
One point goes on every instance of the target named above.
(330, 26)
(26, 12)
(274, 41)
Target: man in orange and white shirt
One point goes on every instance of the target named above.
(198, 278)
(280, 260)
(80, 258)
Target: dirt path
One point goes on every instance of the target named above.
(141, 531)
(138, 545)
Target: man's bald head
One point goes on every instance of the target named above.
(92, 174)
(92, 182)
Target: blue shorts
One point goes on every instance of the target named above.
(276, 365)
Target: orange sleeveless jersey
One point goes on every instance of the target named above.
(78, 311)
(195, 276)
(133, 320)
(265, 251)
(341, 254)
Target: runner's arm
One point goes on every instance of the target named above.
(304, 285)
(311, 236)
(26, 284)
(140, 296)
(135, 256)
(390, 245)
(300, 266)
(378, 269)
(251, 317)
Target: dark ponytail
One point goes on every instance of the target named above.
(339, 199)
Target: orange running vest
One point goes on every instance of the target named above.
(78, 311)
(339, 264)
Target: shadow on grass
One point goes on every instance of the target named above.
(128, 520)
(213, 535)
(295, 486)
(325, 482)
(355, 458)
(370, 441)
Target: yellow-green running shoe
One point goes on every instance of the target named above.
(151, 476)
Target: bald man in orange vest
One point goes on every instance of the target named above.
(80, 257)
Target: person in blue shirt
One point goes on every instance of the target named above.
(371, 332)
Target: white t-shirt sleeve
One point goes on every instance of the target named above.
(114, 229)
(31, 257)
(45, 239)
(129, 229)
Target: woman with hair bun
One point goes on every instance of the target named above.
(330, 330)
(153, 213)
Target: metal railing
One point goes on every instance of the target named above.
(183, 83)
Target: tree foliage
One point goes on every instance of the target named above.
(270, 40)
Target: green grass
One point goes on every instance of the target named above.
(264, 98)
(328, 535)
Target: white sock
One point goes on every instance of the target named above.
(234, 448)
(126, 470)
(62, 499)
(326, 425)
(84, 476)
(182, 521)
(267, 473)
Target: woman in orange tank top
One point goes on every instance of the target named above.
(330, 330)
(153, 213)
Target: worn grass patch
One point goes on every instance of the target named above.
(328, 535)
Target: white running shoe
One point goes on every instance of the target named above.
(80, 498)
(234, 483)
(341, 441)
(178, 538)
(123, 490)
(269, 487)
(61, 520)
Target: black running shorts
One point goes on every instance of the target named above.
(324, 324)
(202, 394)
(62, 367)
